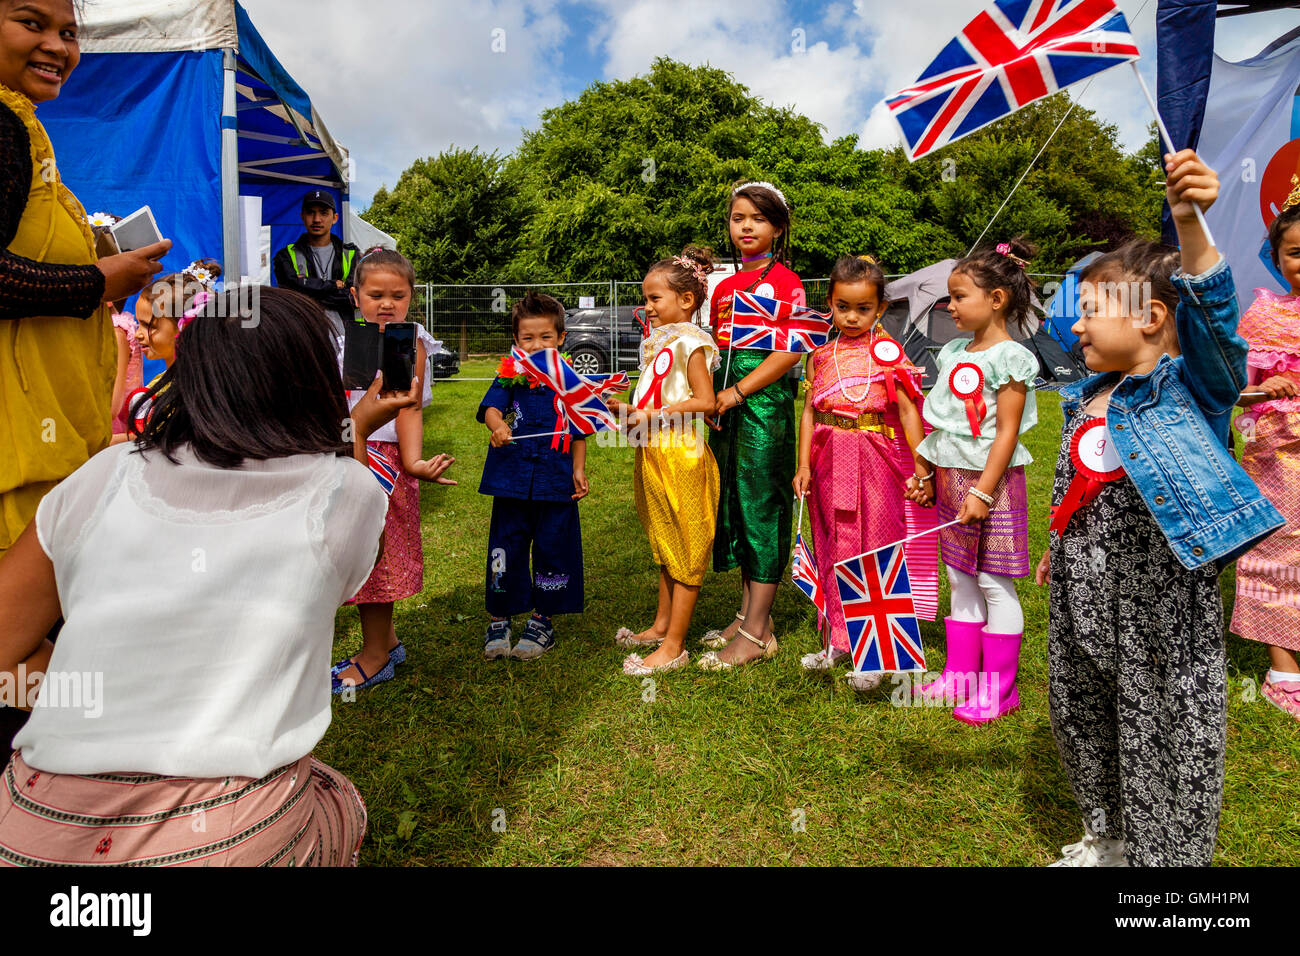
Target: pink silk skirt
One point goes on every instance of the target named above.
(399, 573)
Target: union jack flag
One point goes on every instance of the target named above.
(758, 322)
(1013, 53)
(382, 469)
(877, 597)
(580, 397)
(804, 574)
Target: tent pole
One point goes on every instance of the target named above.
(232, 261)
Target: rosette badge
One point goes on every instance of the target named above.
(967, 382)
(1096, 462)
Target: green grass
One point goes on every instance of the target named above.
(563, 761)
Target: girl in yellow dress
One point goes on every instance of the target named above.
(676, 477)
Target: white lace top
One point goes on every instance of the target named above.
(199, 609)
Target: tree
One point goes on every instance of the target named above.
(459, 217)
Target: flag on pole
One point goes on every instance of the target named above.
(1013, 53)
(876, 595)
(580, 399)
(758, 322)
(382, 469)
(804, 574)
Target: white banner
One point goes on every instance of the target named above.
(1251, 136)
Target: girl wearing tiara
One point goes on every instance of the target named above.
(755, 442)
(676, 476)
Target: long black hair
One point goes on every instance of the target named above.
(772, 208)
(251, 386)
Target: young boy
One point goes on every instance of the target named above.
(535, 485)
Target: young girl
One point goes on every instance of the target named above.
(755, 441)
(385, 281)
(676, 476)
(856, 444)
(1150, 508)
(980, 406)
(1268, 595)
(160, 310)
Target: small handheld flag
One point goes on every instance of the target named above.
(382, 469)
(758, 322)
(579, 400)
(804, 574)
(1011, 54)
(877, 598)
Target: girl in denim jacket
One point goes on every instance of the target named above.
(1148, 508)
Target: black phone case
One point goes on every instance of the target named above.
(362, 346)
(399, 356)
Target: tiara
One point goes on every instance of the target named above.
(1294, 198)
(763, 185)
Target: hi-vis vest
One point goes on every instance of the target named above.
(301, 271)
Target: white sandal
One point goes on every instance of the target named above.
(821, 661)
(635, 666)
(626, 638)
(712, 662)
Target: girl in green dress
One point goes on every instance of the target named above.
(755, 442)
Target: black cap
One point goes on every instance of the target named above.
(319, 197)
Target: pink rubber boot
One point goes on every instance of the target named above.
(963, 662)
(998, 694)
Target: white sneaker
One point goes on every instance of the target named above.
(1092, 851)
(820, 661)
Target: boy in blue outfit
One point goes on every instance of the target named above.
(535, 484)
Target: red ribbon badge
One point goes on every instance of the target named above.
(660, 368)
(1095, 462)
(967, 383)
(560, 441)
(887, 354)
(138, 411)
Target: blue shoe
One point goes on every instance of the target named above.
(339, 686)
(397, 655)
(539, 637)
(496, 642)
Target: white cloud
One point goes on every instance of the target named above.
(415, 78)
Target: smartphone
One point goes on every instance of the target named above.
(399, 356)
(366, 350)
(136, 231)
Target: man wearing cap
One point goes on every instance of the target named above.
(318, 263)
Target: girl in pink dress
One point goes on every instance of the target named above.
(861, 421)
(1268, 576)
(130, 367)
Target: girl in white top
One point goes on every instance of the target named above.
(198, 572)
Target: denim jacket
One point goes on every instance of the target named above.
(1170, 428)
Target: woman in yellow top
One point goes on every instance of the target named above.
(57, 353)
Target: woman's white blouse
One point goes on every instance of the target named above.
(199, 608)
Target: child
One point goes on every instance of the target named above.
(981, 404)
(384, 283)
(755, 441)
(851, 439)
(130, 359)
(161, 307)
(535, 485)
(1268, 595)
(676, 476)
(1137, 663)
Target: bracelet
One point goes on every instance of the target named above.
(743, 397)
(924, 477)
(987, 499)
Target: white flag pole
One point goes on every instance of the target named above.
(1169, 144)
(538, 435)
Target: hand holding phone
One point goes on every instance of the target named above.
(127, 273)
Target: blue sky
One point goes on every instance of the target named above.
(409, 78)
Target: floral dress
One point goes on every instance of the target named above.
(1138, 686)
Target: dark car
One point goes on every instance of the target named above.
(589, 338)
(444, 363)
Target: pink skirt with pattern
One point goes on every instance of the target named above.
(997, 545)
(303, 814)
(400, 571)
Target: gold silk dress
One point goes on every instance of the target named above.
(676, 476)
